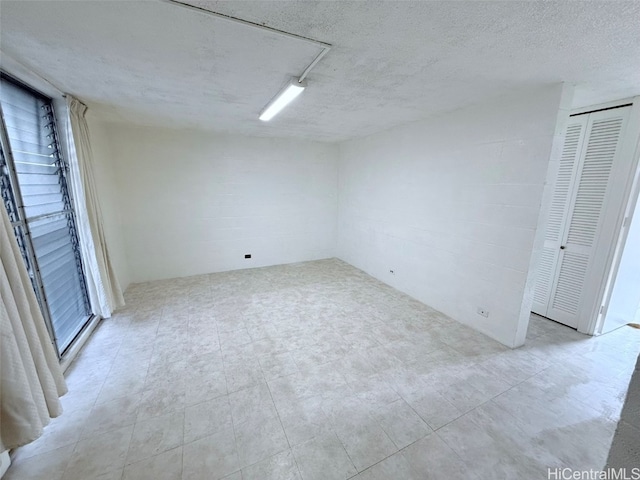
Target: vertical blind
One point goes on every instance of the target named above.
(46, 215)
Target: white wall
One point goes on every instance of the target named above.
(451, 205)
(108, 193)
(195, 202)
(624, 306)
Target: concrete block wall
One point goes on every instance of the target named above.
(451, 205)
(195, 202)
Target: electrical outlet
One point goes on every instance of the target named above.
(483, 312)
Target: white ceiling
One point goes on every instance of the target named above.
(153, 63)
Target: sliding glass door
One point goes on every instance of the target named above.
(33, 183)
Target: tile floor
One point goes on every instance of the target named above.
(317, 371)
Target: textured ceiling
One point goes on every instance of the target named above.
(153, 63)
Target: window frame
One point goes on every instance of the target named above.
(20, 221)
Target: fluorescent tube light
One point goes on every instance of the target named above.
(282, 99)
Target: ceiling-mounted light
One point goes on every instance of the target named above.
(290, 91)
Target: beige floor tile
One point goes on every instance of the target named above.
(156, 435)
(165, 466)
(277, 365)
(431, 458)
(302, 425)
(162, 400)
(80, 398)
(61, 431)
(211, 458)
(46, 466)
(365, 441)
(234, 476)
(433, 408)
(112, 415)
(111, 475)
(207, 418)
(242, 375)
(281, 466)
(393, 467)
(99, 454)
(324, 458)
(122, 384)
(252, 403)
(259, 438)
(401, 423)
(471, 440)
(201, 387)
(256, 369)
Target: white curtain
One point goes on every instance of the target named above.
(104, 289)
(31, 380)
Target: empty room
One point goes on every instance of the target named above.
(319, 240)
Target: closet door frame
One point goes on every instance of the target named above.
(606, 252)
(579, 251)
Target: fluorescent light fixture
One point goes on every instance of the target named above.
(282, 99)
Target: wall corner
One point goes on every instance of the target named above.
(565, 101)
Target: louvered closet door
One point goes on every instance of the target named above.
(586, 192)
(558, 212)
